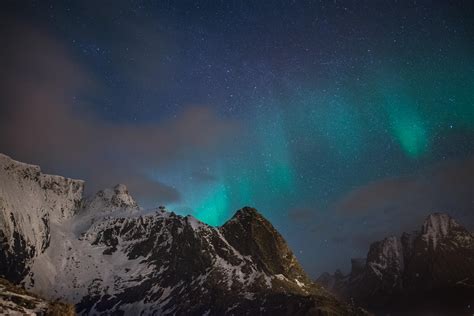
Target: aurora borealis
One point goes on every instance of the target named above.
(335, 119)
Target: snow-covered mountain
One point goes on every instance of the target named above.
(430, 270)
(30, 203)
(107, 256)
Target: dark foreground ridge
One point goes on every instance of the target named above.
(425, 272)
(15, 300)
(106, 255)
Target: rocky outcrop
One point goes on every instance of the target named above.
(107, 256)
(112, 200)
(442, 255)
(16, 301)
(432, 269)
(252, 235)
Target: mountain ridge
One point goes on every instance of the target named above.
(103, 255)
(431, 270)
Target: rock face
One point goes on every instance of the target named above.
(30, 202)
(431, 270)
(105, 255)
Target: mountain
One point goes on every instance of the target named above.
(426, 271)
(107, 256)
(30, 204)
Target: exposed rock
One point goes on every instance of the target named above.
(252, 235)
(357, 266)
(15, 300)
(437, 227)
(431, 270)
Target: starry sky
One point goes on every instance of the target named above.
(341, 121)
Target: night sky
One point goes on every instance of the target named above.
(341, 121)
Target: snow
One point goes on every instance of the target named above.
(195, 224)
(281, 277)
(6, 301)
(71, 267)
(300, 284)
(48, 199)
(111, 200)
(231, 308)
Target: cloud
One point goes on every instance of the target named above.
(394, 205)
(444, 188)
(45, 119)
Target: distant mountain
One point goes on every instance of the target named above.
(107, 256)
(425, 272)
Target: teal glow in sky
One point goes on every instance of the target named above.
(305, 110)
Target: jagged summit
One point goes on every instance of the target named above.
(417, 269)
(112, 199)
(384, 263)
(245, 215)
(440, 223)
(251, 234)
(246, 212)
(15, 167)
(436, 226)
(12, 164)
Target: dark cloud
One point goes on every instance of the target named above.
(445, 188)
(391, 206)
(44, 119)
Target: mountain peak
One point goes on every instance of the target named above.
(253, 235)
(113, 199)
(436, 226)
(246, 213)
(440, 223)
(414, 270)
(386, 255)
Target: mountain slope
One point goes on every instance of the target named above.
(16, 301)
(430, 270)
(106, 255)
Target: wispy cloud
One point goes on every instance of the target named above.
(45, 120)
(444, 188)
(385, 207)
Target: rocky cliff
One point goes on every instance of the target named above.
(426, 271)
(30, 202)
